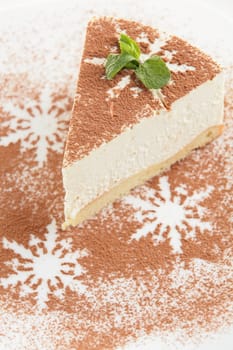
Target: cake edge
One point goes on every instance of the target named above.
(128, 184)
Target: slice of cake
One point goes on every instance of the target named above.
(122, 133)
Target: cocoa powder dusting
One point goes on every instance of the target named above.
(156, 263)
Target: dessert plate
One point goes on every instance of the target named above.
(153, 270)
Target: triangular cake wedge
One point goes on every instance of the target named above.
(121, 133)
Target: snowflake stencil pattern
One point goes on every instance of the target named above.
(46, 266)
(166, 214)
(38, 124)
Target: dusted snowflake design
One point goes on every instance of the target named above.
(47, 266)
(166, 214)
(39, 124)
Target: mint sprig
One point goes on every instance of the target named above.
(153, 73)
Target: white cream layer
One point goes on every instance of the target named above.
(151, 141)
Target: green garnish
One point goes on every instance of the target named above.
(153, 73)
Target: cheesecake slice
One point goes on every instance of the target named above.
(121, 133)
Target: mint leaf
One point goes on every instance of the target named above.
(115, 63)
(153, 73)
(129, 46)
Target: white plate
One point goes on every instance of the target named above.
(56, 287)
